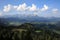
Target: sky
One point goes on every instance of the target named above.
(41, 8)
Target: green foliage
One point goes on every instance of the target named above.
(28, 32)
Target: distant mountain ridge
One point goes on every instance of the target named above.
(30, 19)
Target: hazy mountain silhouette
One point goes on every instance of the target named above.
(30, 19)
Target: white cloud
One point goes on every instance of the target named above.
(24, 8)
(7, 8)
(27, 10)
(21, 7)
(35, 14)
(44, 8)
(33, 8)
(55, 10)
(0, 13)
(15, 7)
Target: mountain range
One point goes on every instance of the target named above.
(29, 19)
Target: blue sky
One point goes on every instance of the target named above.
(44, 8)
(39, 3)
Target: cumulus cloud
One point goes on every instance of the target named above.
(44, 8)
(55, 10)
(27, 10)
(15, 7)
(33, 8)
(21, 7)
(24, 7)
(7, 8)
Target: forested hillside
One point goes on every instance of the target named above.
(29, 31)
